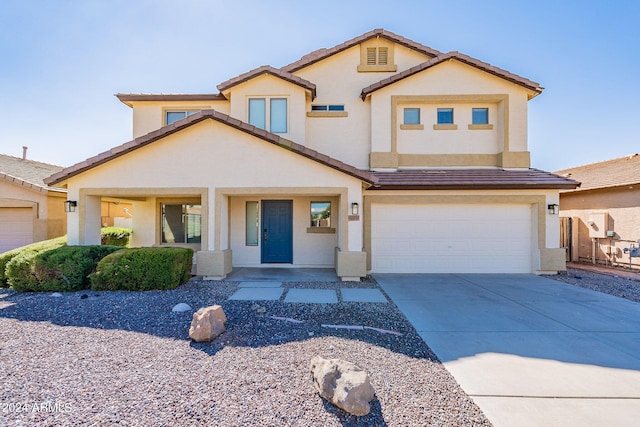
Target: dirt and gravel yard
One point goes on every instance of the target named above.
(123, 358)
(610, 283)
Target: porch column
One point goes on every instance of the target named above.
(351, 260)
(214, 261)
(90, 210)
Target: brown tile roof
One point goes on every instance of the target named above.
(127, 98)
(514, 78)
(179, 125)
(320, 54)
(470, 179)
(610, 173)
(267, 69)
(27, 173)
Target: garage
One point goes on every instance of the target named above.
(16, 228)
(451, 238)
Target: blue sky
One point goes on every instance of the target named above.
(62, 61)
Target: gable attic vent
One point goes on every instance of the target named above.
(383, 55)
(371, 56)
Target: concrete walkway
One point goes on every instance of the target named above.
(530, 351)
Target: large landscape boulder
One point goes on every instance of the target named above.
(342, 383)
(207, 323)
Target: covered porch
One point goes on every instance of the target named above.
(258, 227)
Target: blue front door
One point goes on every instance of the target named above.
(277, 231)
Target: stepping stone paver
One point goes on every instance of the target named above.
(257, 294)
(269, 284)
(362, 295)
(313, 296)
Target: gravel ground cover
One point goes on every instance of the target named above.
(123, 358)
(606, 283)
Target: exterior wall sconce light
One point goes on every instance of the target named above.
(70, 205)
(553, 209)
(355, 208)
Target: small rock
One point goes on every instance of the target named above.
(56, 294)
(181, 307)
(342, 383)
(84, 296)
(310, 334)
(258, 308)
(207, 323)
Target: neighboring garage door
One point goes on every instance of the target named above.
(16, 228)
(451, 238)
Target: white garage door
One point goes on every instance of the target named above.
(451, 238)
(16, 228)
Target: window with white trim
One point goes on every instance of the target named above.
(174, 116)
(275, 114)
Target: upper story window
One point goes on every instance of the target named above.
(445, 116)
(411, 116)
(275, 115)
(327, 108)
(479, 116)
(445, 120)
(174, 116)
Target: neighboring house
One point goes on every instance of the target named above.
(602, 217)
(379, 154)
(30, 210)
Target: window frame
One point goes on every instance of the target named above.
(252, 233)
(485, 110)
(267, 115)
(184, 222)
(440, 111)
(187, 113)
(318, 220)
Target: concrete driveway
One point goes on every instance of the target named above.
(530, 351)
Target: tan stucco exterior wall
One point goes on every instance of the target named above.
(347, 138)
(458, 86)
(151, 115)
(244, 165)
(622, 205)
(268, 86)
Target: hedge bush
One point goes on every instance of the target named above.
(62, 269)
(115, 236)
(31, 249)
(142, 269)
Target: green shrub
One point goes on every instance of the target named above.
(32, 249)
(115, 236)
(57, 270)
(141, 269)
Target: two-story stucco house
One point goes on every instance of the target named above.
(379, 154)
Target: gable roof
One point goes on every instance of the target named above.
(499, 72)
(127, 98)
(320, 54)
(476, 179)
(27, 173)
(609, 173)
(191, 120)
(267, 69)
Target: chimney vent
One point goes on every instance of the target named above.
(24, 152)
